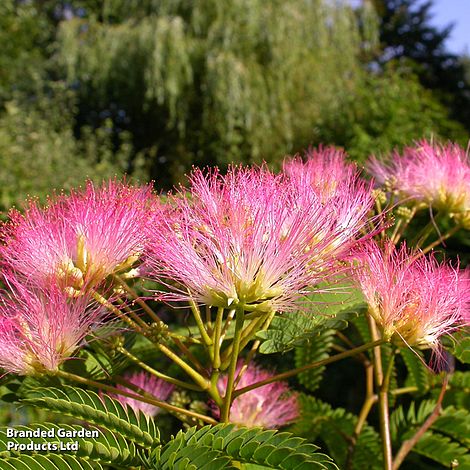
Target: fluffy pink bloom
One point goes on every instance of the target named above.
(158, 388)
(245, 239)
(270, 406)
(81, 238)
(39, 329)
(414, 301)
(339, 187)
(437, 175)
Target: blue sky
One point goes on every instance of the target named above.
(457, 12)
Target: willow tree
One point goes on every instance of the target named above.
(210, 81)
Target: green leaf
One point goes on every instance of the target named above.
(335, 426)
(454, 423)
(418, 373)
(443, 450)
(313, 350)
(107, 447)
(51, 462)
(103, 411)
(224, 444)
(458, 344)
(329, 310)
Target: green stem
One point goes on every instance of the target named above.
(138, 300)
(217, 338)
(384, 416)
(253, 349)
(225, 411)
(313, 365)
(194, 361)
(197, 316)
(442, 238)
(196, 376)
(136, 317)
(228, 321)
(154, 372)
(245, 337)
(150, 401)
(122, 316)
(424, 234)
(402, 225)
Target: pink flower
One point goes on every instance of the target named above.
(326, 173)
(270, 406)
(79, 239)
(158, 388)
(413, 300)
(436, 175)
(40, 329)
(243, 239)
(325, 170)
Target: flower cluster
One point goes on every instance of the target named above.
(270, 406)
(414, 299)
(40, 328)
(338, 186)
(250, 238)
(435, 175)
(53, 258)
(79, 239)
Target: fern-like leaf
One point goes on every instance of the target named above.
(102, 411)
(335, 427)
(443, 450)
(51, 462)
(108, 447)
(313, 350)
(270, 449)
(418, 373)
(332, 310)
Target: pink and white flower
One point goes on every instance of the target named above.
(432, 174)
(41, 328)
(270, 406)
(79, 239)
(414, 299)
(338, 185)
(244, 239)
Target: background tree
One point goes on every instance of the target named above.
(409, 38)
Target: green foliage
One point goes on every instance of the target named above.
(24, 35)
(459, 388)
(401, 422)
(108, 447)
(446, 442)
(101, 411)
(335, 428)
(459, 345)
(388, 111)
(51, 462)
(39, 151)
(418, 373)
(270, 449)
(332, 310)
(209, 81)
(314, 350)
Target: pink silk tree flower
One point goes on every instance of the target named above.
(270, 406)
(414, 300)
(434, 175)
(341, 190)
(40, 329)
(154, 386)
(79, 239)
(244, 239)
